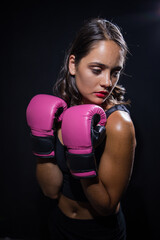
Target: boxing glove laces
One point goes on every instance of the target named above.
(83, 129)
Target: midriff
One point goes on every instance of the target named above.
(77, 209)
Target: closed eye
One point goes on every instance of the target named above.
(96, 71)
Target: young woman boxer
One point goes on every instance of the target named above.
(84, 138)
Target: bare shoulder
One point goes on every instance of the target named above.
(120, 124)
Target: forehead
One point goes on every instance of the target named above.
(107, 52)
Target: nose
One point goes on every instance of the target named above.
(106, 80)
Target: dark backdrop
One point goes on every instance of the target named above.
(33, 38)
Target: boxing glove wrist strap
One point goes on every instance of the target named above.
(43, 146)
(82, 165)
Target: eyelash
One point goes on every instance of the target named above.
(96, 71)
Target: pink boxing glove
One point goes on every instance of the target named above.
(42, 113)
(83, 128)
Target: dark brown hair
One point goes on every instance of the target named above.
(91, 32)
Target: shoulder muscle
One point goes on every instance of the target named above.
(117, 160)
(121, 125)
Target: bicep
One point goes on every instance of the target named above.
(117, 160)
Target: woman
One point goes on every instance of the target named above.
(89, 208)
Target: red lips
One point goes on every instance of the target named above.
(101, 94)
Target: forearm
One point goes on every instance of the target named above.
(50, 179)
(98, 196)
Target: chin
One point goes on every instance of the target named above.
(96, 101)
(99, 101)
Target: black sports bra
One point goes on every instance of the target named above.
(71, 187)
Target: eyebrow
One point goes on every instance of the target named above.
(102, 65)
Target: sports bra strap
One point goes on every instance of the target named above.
(115, 108)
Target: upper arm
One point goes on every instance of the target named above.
(117, 160)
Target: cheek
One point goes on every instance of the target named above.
(85, 80)
(115, 81)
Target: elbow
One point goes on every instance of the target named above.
(106, 207)
(50, 194)
(105, 210)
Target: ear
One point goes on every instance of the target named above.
(71, 66)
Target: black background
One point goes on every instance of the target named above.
(33, 40)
